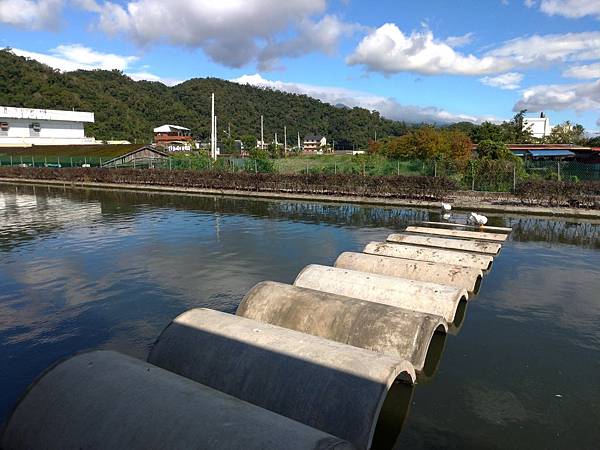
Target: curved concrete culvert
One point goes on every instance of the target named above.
(468, 278)
(454, 257)
(465, 245)
(429, 298)
(330, 386)
(482, 235)
(104, 400)
(373, 326)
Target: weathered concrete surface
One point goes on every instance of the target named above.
(330, 386)
(454, 257)
(470, 227)
(373, 326)
(465, 245)
(105, 400)
(429, 298)
(459, 233)
(468, 278)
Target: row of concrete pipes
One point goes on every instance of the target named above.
(326, 363)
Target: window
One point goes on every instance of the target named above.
(4, 126)
(35, 126)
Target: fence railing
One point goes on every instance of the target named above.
(477, 175)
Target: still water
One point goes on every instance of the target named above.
(103, 269)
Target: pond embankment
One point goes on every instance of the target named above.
(549, 199)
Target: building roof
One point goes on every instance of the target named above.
(170, 128)
(313, 137)
(9, 112)
(133, 152)
(539, 153)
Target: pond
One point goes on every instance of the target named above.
(82, 269)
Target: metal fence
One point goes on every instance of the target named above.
(478, 175)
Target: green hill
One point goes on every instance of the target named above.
(127, 109)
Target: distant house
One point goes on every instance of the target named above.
(539, 126)
(146, 156)
(556, 151)
(314, 144)
(174, 138)
(24, 127)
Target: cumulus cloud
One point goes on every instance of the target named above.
(31, 14)
(573, 9)
(579, 97)
(67, 58)
(388, 50)
(233, 33)
(509, 81)
(387, 107)
(583, 71)
(71, 57)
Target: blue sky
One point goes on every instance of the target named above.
(429, 60)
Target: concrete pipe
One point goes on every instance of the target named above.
(467, 278)
(459, 233)
(471, 227)
(105, 400)
(373, 326)
(465, 245)
(429, 298)
(454, 257)
(333, 387)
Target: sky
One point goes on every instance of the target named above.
(436, 61)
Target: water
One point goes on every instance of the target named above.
(101, 269)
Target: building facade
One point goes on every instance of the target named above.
(539, 126)
(314, 144)
(174, 138)
(24, 127)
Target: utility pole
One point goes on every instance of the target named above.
(284, 141)
(212, 127)
(276, 140)
(216, 138)
(262, 136)
(299, 148)
(375, 135)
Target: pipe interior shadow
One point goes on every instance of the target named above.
(459, 317)
(392, 415)
(434, 356)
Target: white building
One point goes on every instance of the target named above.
(314, 144)
(24, 127)
(539, 126)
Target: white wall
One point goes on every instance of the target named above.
(51, 133)
(539, 126)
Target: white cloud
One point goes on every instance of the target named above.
(67, 58)
(31, 14)
(509, 80)
(459, 41)
(579, 97)
(584, 71)
(233, 33)
(388, 107)
(388, 50)
(573, 9)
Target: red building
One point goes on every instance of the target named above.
(173, 137)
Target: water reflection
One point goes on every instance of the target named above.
(86, 269)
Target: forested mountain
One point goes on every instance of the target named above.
(127, 109)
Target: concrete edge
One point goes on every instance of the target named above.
(460, 204)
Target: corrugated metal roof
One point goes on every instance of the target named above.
(538, 153)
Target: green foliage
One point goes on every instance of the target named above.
(259, 161)
(126, 109)
(193, 160)
(489, 149)
(426, 142)
(566, 133)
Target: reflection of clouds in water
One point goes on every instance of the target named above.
(558, 286)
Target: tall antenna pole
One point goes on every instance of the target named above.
(212, 126)
(216, 137)
(284, 141)
(299, 148)
(262, 136)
